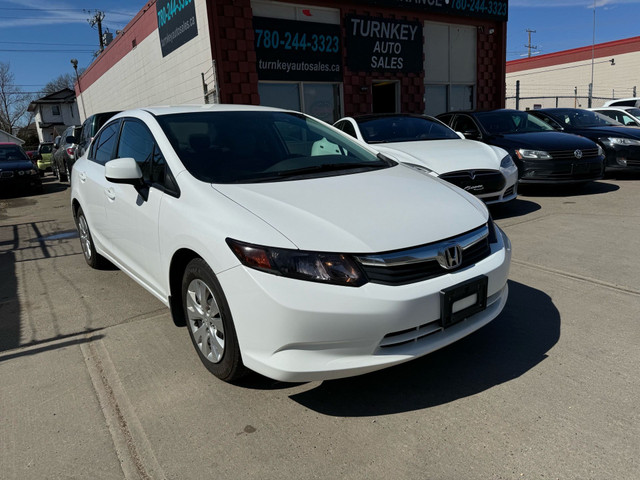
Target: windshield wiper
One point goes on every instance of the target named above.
(331, 167)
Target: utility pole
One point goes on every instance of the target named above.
(529, 46)
(97, 19)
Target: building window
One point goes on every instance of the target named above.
(450, 67)
(55, 110)
(320, 100)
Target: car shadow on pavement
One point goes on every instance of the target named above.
(515, 208)
(591, 188)
(507, 348)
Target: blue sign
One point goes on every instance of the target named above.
(176, 23)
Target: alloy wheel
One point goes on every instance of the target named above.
(205, 320)
(85, 239)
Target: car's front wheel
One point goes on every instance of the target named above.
(209, 322)
(93, 258)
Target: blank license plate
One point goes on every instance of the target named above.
(463, 300)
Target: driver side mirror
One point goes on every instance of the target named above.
(124, 170)
(472, 134)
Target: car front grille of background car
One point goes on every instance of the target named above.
(476, 181)
(571, 154)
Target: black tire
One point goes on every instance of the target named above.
(41, 173)
(209, 322)
(64, 177)
(93, 258)
(54, 170)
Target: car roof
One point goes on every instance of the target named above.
(615, 103)
(623, 108)
(373, 116)
(168, 110)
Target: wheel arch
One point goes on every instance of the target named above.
(179, 262)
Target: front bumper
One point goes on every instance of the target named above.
(622, 157)
(45, 165)
(562, 171)
(14, 181)
(292, 330)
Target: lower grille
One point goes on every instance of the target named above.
(6, 174)
(421, 332)
(476, 181)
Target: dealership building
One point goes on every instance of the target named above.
(326, 58)
(580, 77)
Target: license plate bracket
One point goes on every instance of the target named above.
(578, 168)
(471, 295)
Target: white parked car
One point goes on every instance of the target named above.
(484, 170)
(627, 116)
(280, 256)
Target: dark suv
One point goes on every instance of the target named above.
(89, 129)
(65, 156)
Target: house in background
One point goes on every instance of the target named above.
(7, 137)
(54, 113)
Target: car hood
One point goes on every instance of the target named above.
(376, 211)
(597, 132)
(541, 141)
(444, 156)
(16, 165)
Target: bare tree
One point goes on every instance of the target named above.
(66, 80)
(13, 102)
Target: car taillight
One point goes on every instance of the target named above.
(70, 152)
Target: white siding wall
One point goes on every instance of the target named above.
(561, 80)
(144, 78)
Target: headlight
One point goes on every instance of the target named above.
(507, 162)
(626, 142)
(533, 154)
(334, 268)
(600, 150)
(33, 171)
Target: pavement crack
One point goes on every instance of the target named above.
(582, 278)
(132, 446)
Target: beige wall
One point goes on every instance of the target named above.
(144, 78)
(561, 80)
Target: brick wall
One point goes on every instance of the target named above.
(231, 22)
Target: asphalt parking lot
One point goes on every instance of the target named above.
(97, 382)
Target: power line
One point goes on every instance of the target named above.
(49, 43)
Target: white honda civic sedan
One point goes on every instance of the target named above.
(425, 142)
(285, 246)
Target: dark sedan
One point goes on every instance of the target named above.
(542, 154)
(17, 172)
(621, 144)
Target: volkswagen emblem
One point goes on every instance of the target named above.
(578, 154)
(450, 257)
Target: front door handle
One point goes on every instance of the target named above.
(110, 193)
(82, 176)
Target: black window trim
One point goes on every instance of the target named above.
(169, 178)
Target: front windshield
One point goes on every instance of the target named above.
(12, 153)
(505, 122)
(578, 118)
(394, 129)
(634, 111)
(255, 146)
